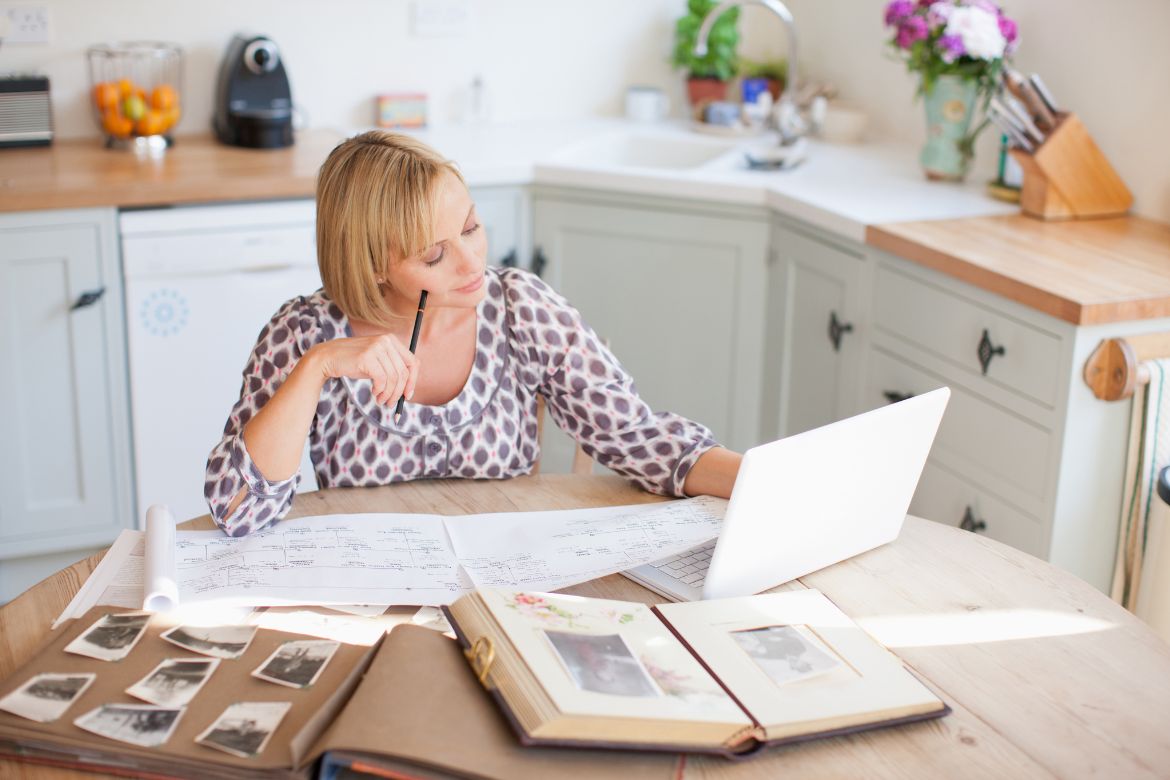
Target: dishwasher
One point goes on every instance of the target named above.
(201, 282)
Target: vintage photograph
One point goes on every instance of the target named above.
(297, 664)
(175, 681)
(785, 653)
(112, 637)
(45, 697)
(225, 642)
(138, 724)
(602, 663)
(245, 727)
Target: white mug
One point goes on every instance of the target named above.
(646, 104)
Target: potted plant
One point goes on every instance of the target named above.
(958, 49)
(774, 72)
(707, 76)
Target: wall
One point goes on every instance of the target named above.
(1108, 62)
(538, 58)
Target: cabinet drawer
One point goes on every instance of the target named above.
(952, 327)
(989, 445)
(944, 497)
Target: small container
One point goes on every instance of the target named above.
(402, 110)
(134, 93)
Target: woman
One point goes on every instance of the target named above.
(393, 219)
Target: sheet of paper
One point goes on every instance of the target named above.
(333, 559)
(545, 551)
(160, 591)
(116, 581)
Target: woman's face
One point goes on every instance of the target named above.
(452, 269)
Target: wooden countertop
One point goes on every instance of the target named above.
(1086, 272)
(82, 173)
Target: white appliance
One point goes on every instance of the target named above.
(808, 501)
(200, 284)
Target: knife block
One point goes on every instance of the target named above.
(1068, 177)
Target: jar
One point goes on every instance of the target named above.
(134, 91)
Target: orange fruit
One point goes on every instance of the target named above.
(105, 96)
(125, 88)
(117, 125)
(170, 117)
(151, 123)
(163, 97)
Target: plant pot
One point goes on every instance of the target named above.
(950, 104)
(700, 90)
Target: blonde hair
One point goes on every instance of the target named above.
(376, 199)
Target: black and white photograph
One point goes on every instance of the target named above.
(602, 663)
(245, 727)
(174, 682)
(144, 725)
(785, 653)
(226, 642)
(112, 637)
(297, 664)
(46, 697)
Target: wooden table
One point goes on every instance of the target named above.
(1046, 676)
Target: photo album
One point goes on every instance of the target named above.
(721, 676)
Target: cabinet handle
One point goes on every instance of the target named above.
(893, 396)
(969, 523)
(539, 262)
(509, 260)
(88, 298)
(837, 329)
(987, 351)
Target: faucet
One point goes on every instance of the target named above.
(789, 122)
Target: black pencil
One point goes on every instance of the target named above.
(422, 305)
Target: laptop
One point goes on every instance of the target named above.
(808, 501)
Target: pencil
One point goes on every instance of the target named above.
(422, 305)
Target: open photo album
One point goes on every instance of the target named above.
(722, 676)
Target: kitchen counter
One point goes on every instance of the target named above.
(1081, 272)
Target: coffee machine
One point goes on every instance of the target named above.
(253, 105)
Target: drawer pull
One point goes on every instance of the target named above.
(88, 298)
(969, 523)
(837, 329)
(509, 260)
(539, 261)
(893, 396)
(987, 351)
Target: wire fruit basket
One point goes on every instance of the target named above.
(134, 92)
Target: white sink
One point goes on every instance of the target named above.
(647, 150)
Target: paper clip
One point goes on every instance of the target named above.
(480, 655)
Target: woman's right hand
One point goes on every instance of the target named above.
(384, 360)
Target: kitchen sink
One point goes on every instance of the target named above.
(648, 150)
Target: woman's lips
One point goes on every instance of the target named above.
(473, 286)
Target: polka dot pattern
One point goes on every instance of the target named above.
(530, 342)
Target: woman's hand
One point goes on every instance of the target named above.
(384, 360)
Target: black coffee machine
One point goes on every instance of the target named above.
(253, 105)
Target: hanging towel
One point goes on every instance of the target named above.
(1141, 576)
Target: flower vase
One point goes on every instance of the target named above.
(950, 104)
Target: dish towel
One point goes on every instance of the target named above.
(1141, 576)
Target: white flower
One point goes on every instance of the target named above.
(979, 31)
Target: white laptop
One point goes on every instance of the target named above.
(808, 501)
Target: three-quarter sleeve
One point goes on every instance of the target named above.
(590, 395)
(229, 466)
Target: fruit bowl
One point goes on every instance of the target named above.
(134, 92)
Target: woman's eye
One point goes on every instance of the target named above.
(435, 260)
(471, 229)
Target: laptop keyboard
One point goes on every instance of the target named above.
(689, 567)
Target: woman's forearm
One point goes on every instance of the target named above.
(275, 437)
(713, 473)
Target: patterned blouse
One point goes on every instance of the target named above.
(530, 342)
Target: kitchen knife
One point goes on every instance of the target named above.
(1034, 105)
(1015, 137)
(1042, 90)
(1013, 112)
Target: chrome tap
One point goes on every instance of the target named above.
(788, 120)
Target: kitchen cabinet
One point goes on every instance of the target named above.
(506, 215)
(65, 467)
(677, 288)
(817, 329)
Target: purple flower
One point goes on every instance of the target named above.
(898, 10)
(1008, 28)
(911, 30)
(951, 47)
